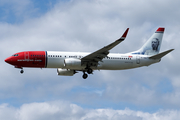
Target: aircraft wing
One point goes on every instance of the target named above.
(95, 57)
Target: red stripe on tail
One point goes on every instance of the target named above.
(160, 30)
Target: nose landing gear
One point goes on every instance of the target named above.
(22, 71)
(20, 67)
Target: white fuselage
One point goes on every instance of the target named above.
(114, 61)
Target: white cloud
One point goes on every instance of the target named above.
(7, 112)
(67, 111)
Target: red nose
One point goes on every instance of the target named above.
(8, 60)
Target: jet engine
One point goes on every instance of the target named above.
(65, 72)
(72, 63)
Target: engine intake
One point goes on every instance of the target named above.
(65, 72)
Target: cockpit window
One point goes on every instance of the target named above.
(15, 55)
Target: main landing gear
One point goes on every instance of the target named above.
(85, 75)
(89, 71)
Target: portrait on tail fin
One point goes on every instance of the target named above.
(155, 44)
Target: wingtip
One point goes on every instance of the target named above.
(125, 33)
(172, 49)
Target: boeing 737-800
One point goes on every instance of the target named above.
(68, 63)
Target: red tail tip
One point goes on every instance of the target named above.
(160, 29)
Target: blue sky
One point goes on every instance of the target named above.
(81, 25)
(30, 9)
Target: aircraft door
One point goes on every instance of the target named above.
(138, 59)
(26, 54)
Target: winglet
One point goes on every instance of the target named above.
(124, 35)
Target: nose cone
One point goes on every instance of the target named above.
(8, 60)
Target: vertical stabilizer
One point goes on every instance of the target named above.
(152, 46)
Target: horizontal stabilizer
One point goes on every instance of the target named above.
(160, 55)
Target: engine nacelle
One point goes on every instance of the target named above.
(72, 63)
(65, 72)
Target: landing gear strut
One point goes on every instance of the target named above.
(22, 71)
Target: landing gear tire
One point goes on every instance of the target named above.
(22, 71)
(85, 75)
(89, 71)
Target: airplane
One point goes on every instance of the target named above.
(69, 63)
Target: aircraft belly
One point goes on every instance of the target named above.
(115, 65)
(59, 63)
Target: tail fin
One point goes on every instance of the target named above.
(152, 46)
